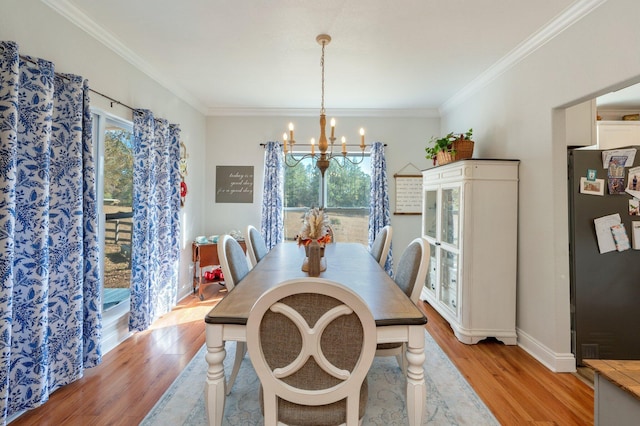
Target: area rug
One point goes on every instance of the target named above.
(450, 399)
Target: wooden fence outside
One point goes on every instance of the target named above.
(118, 228)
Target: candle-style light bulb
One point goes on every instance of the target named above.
(284, 142)
(362, 138)
(313, 146)
(333, 128)
(291, 132)
(344, 146)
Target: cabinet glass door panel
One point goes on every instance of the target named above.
(449, 279)
(429, 216)
(430, 281)
(450, 226)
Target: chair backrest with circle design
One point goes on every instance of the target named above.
(312, 342)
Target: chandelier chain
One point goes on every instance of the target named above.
(325, 156)
(322, 65)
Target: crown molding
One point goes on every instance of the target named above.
(566, 19)
(314, 112)
(82, 21)
(563, 21)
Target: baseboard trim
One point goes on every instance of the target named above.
(115, 326)
(556, 362)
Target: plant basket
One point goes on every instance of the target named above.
(444, 157)
(463, 149)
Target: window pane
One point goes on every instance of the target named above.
(118, 212)
(349, 185)
(301, 185)
(347, 197)
(301, 191)
(450, 215)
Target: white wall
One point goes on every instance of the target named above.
(210, 141)
(235, 141)
(517, 115)
(521, 115)
(41, 32)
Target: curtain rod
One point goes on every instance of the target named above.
(113, 101)
(31, 61)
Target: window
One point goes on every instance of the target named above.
(347, 193)
(114, 145)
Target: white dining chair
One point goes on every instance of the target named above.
(409, 276)
(233, 263)
(311, 342)
(382, 244)
(256, 247)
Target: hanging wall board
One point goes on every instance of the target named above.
(408, 191)
(234, 184)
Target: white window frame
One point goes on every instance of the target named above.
(115, 321)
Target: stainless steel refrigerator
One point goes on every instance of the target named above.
(605, 288)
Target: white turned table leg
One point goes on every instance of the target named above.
(416, 386)
(214, 391)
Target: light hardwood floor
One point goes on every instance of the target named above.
(132, 377)
(517, 389)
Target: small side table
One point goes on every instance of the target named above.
(204, 255)
(617, 391)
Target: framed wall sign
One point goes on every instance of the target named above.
(408, 192)
(234, 184)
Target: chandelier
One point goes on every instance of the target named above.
(325, 153)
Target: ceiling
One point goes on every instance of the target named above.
(229, 56)
(627, 98)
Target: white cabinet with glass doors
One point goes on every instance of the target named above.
(470, 217)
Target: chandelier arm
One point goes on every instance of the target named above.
(358, 161)
(355, 145)
(295, 161)
(341, 160)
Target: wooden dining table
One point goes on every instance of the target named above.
(350, 264)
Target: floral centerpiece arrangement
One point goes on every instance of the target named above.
(315, 226)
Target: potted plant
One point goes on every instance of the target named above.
(450, 147)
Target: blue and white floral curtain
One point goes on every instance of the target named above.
(272, 223)
(50, 295)
(379, 215)
(155, 251)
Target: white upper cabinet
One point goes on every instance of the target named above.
(618, 134)
(470, 219)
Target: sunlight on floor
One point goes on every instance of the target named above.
(191, 309)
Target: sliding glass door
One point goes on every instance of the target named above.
(114, 138)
